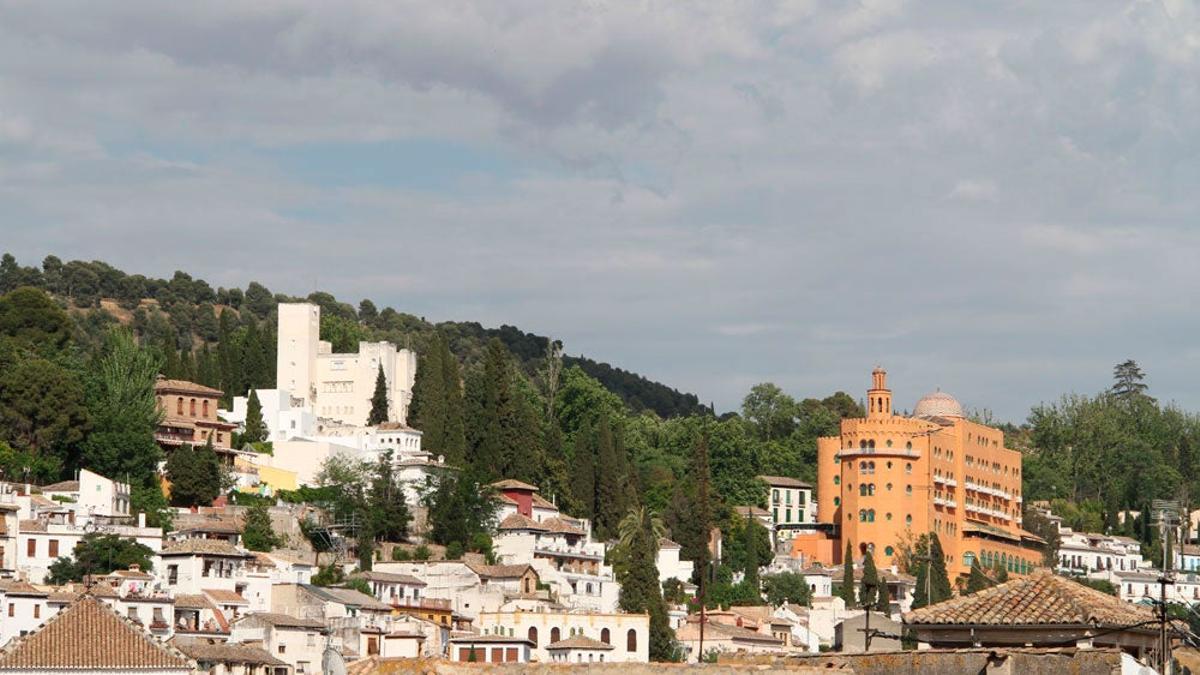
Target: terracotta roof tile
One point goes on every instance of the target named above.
(203, 547)
(579, 642)
(224, 597)
(1042, 598)
(62, 486)
(87, 635)
(511, 484)
(784, 481)
(498, 571)
(284, 620)
(561, 526)
(163, 384)
(389, 578)
(541, 502)
(517, 521)
(206, 652)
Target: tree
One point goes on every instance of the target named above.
(1128, 380)
(367, 313)
(195, 475)
(772, 412)
(933, 584)
(787, 587)
(30, 316)
(640, 589)
(42, 407)
(873, 593)
(256, 429)
(100, 554)
(387, 515)
(583, 473)
(690, 518)
(124, 412)
(611, 476)
(977, 580)
(379, 400)
(846, 592)
(257, 532)
(460, 509)
(1036, 522)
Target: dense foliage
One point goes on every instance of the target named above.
(257, 532)
(100, 554)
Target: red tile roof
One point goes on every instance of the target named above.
(784, 481)
(87, 635)
(511, 484)
(1041, 598)
(517, 521)
(184, 386)
(579, 642)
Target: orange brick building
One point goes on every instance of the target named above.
(190, 415)
(887, 478)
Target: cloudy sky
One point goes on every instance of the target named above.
(998, 199)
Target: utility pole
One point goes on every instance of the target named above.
(1166, 513)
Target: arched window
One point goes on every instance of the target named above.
(889, 487)
(908, 519)
(888, 515)
(908, 445)
(179, 406)
(555, 634)
(192, 407)
(908, 489)
(871, 444)
(533, 636)
(871, 489)
(908, 467)
(631, 641)
(889, 442)
(604, 636)
(870, 515)
(888, 550)
(837, 501)
(204, 407)
(862, 490)
(862, 515)
(870, 467)
(588, 588)
(837, 480)
(862, 444)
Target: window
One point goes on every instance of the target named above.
(888, 515)
(908, 467)
(631, 641)
(53, 548)
(12, 609)
(192, 407)
(204, 407)
(888, 550)
(837, 480)
(789, 516)
(555, 634)
(908, 490)
(172, 574)
(179, 406)
(908, 519)
(889, 487)
(837, 501)
(604, 636)
(533, 636)
(282, 648)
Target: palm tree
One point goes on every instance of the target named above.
(640, 519)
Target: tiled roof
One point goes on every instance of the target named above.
(87, 635)
(561, 526)
(540, 502)
(751, 511)
(1041, 598)
(510, 484)
(347, 596)
(285, 620)
(663, 542)
(216, 525)
(163, 384)
(579, 642)
(187, 601)
(498, 571)
(206, 652)
(389, 578)
(394, 426)
(224, 597)
(784, 481)
(517, 521)
(203, 547)
(20, 588)
(62, 486)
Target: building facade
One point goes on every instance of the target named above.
(339, 386)
(190, 415)
(887, 478)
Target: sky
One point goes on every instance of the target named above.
(996, 199)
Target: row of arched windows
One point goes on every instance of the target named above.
(631, 639)
(869, 444)
(191, 407)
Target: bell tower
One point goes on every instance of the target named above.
(879, 397)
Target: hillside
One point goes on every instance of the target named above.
(187, 313)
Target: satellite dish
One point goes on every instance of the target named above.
(332, 662)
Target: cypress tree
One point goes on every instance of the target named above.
(206, 369)
(921, 587)
(847, 590)
(387, 513)
(610, 482)
(500, 444)
(977, 581)
(427, 410)
(256, 429)
(640, 588)
(750, 549)
(939, 580)
(172, 368)
(583, 473)
(254, 364)
(689, 515)
(228, 357)
(379, 400)
(455, 440)
(872, 593)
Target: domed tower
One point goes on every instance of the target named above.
(879, 397)
(938, 404)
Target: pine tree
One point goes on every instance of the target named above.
(256, 429)
(379, 400)
(939, 580)
(977, 581)
(847, 590)
(868, 589)
(583, 473)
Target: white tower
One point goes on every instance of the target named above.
(296, 362)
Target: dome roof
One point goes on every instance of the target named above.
(938, 404)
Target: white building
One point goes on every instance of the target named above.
(629, 634)
(284, 415)
(41, 541)
(339, 386)
(296, 641)
(669, 564)
(791, 506)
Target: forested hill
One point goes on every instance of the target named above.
(187, 311)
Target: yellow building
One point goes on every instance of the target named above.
(886, 479)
